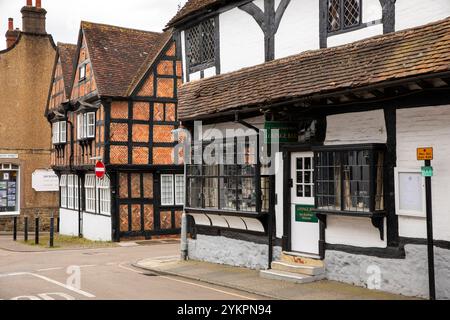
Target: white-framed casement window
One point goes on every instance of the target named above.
(89, 187)
(104, 195)
(82, 72)
(167, 196)
(179, 189)
(59, 132)
(172, 189)
(76, 192)
(63, 190)
(70, 192)
(9, 189)
(86, 125)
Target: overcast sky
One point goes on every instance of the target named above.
(64, 16)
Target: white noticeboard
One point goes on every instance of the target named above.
(45, 181)
(410, 193)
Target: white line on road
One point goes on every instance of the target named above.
(190, 283)
(80, 292)
(50, 269)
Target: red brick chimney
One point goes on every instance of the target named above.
(11, 35)
(33, 18)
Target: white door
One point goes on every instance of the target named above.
(304, 224)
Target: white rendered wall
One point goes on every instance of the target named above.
(68, 222)
(358, 127)
(349, 37)
(299, 29)
(411, 13)
(241, 41)
(427, 127)
(183, 55)
(97, 227)
(209, 131)
(358, 232)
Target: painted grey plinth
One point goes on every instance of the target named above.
(408, 276)
(231, 252)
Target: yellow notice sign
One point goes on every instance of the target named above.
(424, 154)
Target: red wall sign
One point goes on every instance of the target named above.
(100, 170)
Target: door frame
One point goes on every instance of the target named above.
(287, 151)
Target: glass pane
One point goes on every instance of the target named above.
(299, 163)
(308, 164)
(247, 194)
(299, 177)
(265, 191)
(308, 191)
(210, 192)
(193, 170)
(308, 177)
(194, 192)
(300, 191)
(228, 196)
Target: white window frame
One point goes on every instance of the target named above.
(59, 132)
(104, 195)
(179, 201)
(70, 192)
(63, 190)
(13, 167)
(82, 72)
(79, 126)
(76, 187)
(55, 132)
(90, 191)
(90, 124)
(404, 212)
(171, 201)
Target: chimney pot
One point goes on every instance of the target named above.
(33, 18)
(10, 24)
(29, 3)
(38, 4)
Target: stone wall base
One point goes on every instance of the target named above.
(407, 277)
(231, 252)
(7, 223)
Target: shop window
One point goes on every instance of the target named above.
(200, 45)
(9, 189)
(231, 185)
(63, 190)
(86, 126)
(343, 15)
(350, 179)
(59, 132)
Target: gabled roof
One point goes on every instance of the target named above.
(411, 53)
(117, 55)
(193, 7)
(67, 56)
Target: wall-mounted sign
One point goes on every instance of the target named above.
(427, 172)
(303, 213)
(8, 156)
(424, 154)
(288, 131)
(100, 170)
(45, 181)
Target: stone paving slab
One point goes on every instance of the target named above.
(249, 281)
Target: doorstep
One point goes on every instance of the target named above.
(249, 281)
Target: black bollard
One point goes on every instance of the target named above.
(25, 229)
(52, 227)
(57, 225)
(36, 231)
(15, 229)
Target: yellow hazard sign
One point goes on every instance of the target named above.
(424, 154)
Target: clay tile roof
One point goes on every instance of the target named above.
(117, 55)
(396, 56)
(195, 6)
(67, 55)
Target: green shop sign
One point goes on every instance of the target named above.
(303, 213)
(288, 131)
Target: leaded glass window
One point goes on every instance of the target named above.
(201, 44)
(343, 14)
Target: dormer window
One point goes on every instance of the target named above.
(86, 126)
(200, 46)
(59, 132)
(82, 71)
(343, 15)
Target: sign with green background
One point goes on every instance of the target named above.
(288, 131)
(303, 213)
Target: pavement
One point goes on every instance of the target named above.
(249, 281)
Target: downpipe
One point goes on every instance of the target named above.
(184, 239)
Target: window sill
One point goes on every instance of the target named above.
(10, 213)
(220, 212)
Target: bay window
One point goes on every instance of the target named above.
(86, 126)
(59, 132)
(349, 179)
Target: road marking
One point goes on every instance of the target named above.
(76, 290)
(50, 269)
(88, 266)
(190, 283)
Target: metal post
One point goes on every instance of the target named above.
(431, 278)
(36, 231)
(15, 229)
(52, 231)
(184, 240)
(25, 229)
(57, 225)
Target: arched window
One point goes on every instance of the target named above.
(343, 15)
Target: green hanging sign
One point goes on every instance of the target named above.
(288, 131)
(427, 172)
(303, 213)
